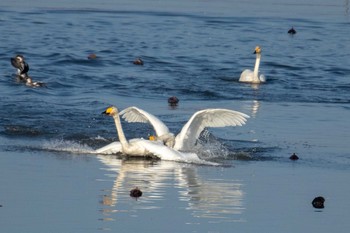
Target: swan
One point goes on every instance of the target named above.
(249, 76)
(139, 147)
(190, 132)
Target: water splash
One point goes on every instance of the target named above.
(67, 146)
(208, 147)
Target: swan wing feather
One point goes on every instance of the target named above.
(190, 132)
(134, 114)
(112, 148)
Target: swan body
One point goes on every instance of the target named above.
(249, 76)
(191, 131)
(140, 147)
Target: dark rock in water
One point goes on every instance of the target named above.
(136, 192)
(293, 157)
(318, 202)
(138, 61)
(173, 101)
(292, 31)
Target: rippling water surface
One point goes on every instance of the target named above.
(194, 50)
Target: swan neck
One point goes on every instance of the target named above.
(256, 67)
(120, 131)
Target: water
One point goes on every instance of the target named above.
(194, 50)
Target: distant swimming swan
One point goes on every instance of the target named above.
(249, 76)
(140, 147)
(190, 132)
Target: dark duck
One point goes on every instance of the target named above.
(135, 193)
(21, 66)
(22, 71)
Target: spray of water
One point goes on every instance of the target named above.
(67, 146)
(208, 147)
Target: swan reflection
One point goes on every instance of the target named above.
(253, 107)
(217, 199)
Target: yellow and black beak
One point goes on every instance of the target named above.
(257, 50)
(108, 111)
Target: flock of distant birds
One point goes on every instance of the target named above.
(166, 145)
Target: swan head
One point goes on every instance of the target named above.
(111, 111)
(257, 50)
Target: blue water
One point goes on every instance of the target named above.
(194, 50)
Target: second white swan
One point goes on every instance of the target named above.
(249, 76)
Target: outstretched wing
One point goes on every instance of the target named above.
(134, 114)
(112, 148)
(190, 132)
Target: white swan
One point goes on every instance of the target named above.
(190, 132)
(140, 147)
(249, 76)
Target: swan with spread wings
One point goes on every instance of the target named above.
(139, 147)
(190, 132)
